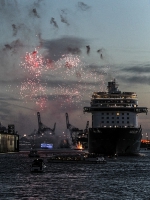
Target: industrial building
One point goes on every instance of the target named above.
(9, 139)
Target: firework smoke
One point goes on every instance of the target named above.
(64, 20)
(83, 6)
(88, 49)
(53, 22)
(35, 13)
(14, 29)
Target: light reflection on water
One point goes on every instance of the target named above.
(126, 178)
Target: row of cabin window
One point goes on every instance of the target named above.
(114, 122)
(115, 101)
(113, 117)
(115, 113)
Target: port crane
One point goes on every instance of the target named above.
(42, 128)
(76, 134)
(86, 128)
(73, 130)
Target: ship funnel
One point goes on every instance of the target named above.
(113, 87)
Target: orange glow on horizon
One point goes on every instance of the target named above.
(145, 141)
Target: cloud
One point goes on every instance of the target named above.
(138, 69)
(145, 80)
(135, 74)
(57, 47)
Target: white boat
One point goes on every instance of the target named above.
(37, 166)
(33, 153)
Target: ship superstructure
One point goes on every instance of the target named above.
(115, 128)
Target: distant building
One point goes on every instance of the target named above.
(24, 143)
(9, 139)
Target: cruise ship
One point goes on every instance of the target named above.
(115, 129)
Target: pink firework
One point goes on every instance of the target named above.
(68, 94)
(70, 68)
(31, 89)
(34, 64)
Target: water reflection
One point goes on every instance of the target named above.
(121, 178)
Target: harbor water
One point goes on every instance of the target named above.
(121, 178)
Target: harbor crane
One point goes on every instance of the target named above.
(76, 134)
(86, 128)
(44, 129)
(73, 130)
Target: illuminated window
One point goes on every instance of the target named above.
(117, 114)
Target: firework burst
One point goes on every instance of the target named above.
(76, 80)
(34, 64)
(68, 69)
(32, 89)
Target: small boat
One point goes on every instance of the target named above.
(37, 166)
(33, 153)
(76, 159)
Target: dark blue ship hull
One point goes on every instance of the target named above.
(111, 141)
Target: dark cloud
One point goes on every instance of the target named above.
(75, 50)
(83, 6)
(145, 80)
(57, 47)
(138, 69)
